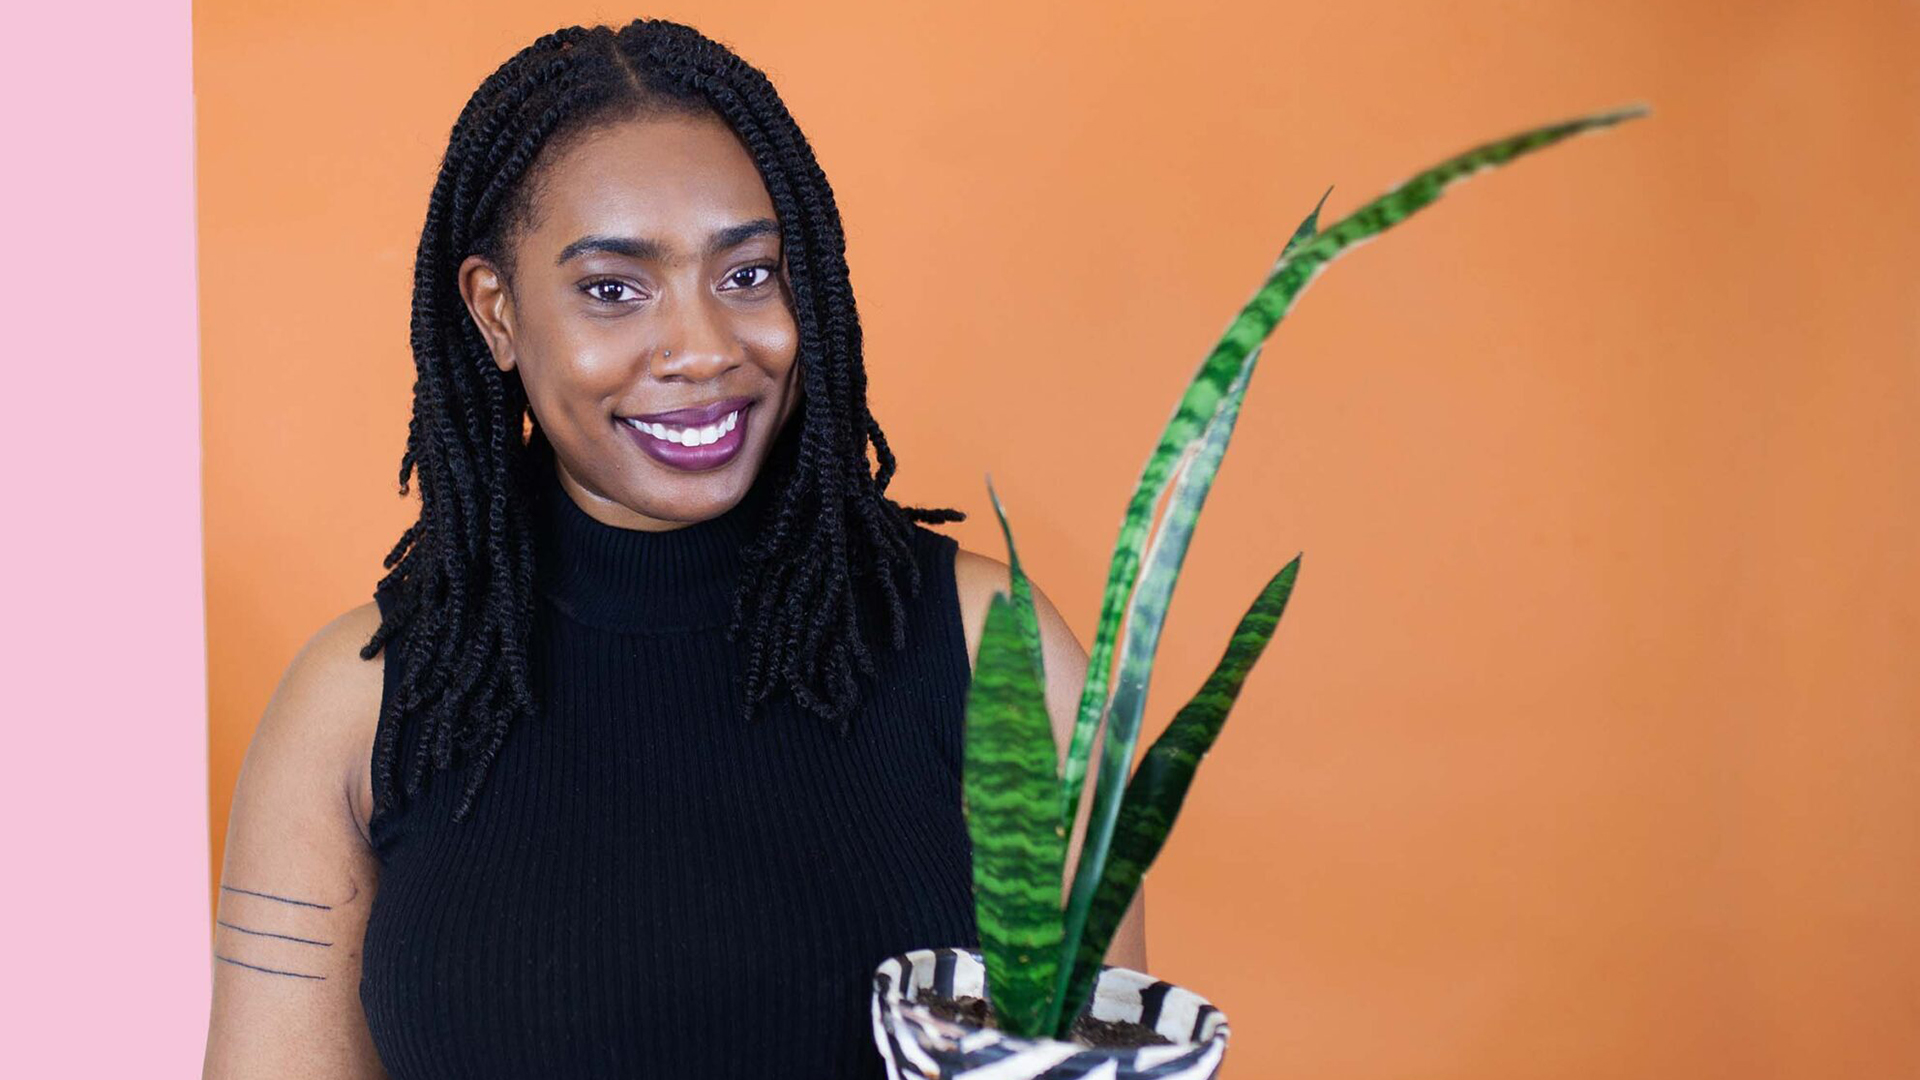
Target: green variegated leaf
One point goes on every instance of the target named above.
(1145, 616)
(1080, 747)
(1304, 231)
(1225, 368)
(1022, 593)
(1011, 785)
(1159, 786)
(1194, 477)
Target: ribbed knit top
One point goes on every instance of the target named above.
(647, 885)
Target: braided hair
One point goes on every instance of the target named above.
(461, 577)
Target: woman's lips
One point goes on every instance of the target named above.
(693, 458)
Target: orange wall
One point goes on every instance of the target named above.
(1587, 745)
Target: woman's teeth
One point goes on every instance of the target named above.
(689, 436)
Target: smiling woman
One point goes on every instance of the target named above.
(648, 749)
(655, 251)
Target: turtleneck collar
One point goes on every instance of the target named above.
(639, 581)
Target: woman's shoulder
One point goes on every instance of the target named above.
(978, 576)
(340, 695)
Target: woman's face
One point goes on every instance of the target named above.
(650, 279)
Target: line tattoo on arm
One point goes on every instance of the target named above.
(277, 899)
(265, 933)
(282, 899)
(268, 970)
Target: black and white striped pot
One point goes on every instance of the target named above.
(917, 1045)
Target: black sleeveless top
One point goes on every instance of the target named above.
(647, 885)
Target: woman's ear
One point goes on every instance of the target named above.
(490, 302)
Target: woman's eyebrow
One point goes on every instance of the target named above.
(640, 247)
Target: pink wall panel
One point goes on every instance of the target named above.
(104, 628)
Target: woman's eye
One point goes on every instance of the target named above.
(735, 276)
(599, 290)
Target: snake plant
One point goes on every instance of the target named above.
(1020, 801)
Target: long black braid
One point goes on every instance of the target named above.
(461, 577)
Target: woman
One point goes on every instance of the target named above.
(648, 749)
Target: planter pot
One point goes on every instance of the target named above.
(917, 1045)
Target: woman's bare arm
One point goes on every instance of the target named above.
(299, 877)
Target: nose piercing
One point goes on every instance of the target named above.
(669, 352)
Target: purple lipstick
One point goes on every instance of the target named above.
(680, 438)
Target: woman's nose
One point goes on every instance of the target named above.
(699, 344)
